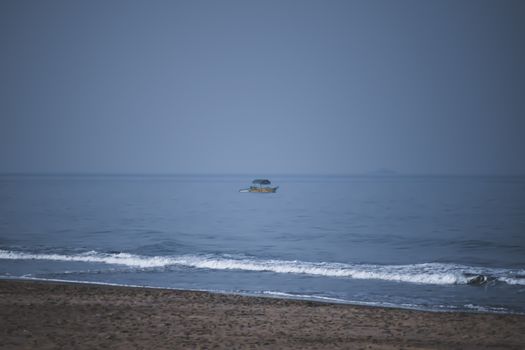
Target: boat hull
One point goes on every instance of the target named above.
(261, 189)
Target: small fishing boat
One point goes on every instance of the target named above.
(260, 186)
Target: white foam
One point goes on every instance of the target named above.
(343, 301)
(514, 281)
(427, 273)
(490, 309)
(93, 257)
(303, 296)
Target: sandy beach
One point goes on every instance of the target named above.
(47, 315)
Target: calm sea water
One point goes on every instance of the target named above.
(412, 242)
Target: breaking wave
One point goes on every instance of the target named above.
(426, 273)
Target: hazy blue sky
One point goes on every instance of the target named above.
(262, 86)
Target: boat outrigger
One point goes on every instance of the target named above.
(260, 189)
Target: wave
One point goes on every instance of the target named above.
(435, 308)
(425, 273)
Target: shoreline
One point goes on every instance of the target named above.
(271, 295)
(49, 314)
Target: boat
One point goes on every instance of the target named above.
(260, 186)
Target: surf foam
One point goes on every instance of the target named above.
(426, 273)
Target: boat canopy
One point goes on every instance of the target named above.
(261, 182)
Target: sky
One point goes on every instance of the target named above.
(262, 87)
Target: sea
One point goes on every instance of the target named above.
(437, 243)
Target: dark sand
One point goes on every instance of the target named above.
(43, 315)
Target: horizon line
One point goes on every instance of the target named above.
(172, 174)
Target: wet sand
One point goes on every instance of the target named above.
(45, 315)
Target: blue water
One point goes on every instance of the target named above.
(412, 242)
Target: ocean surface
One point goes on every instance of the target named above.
(425, 242)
